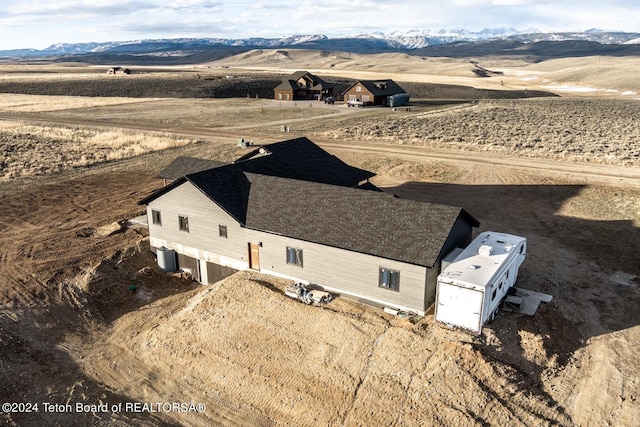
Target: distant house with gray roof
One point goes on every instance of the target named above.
(302, 85)
(315, 226)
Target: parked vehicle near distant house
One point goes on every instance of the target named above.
(355, 103)
(329, 100)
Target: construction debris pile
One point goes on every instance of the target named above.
(301, 292)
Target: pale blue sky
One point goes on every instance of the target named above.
(41, 23)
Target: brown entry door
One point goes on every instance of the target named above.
(254, 256)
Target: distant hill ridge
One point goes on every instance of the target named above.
(410, 41)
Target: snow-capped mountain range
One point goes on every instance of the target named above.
(394, 41)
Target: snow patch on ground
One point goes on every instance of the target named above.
(570, 88)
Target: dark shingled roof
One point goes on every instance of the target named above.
(379, 87)
(287, 85)
(290, 83)
(301, 159)
(298, 158)
(228, 187)
(182, 166)
(363, 221)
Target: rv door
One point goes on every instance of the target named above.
(459, 306)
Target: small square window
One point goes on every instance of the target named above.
(294, 256)
(358, 88)
(389, 279)
(156, 217)
(183, 223)
(222, 229)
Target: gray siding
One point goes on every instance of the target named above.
(204, 218)
(337, 269)
(349, 272)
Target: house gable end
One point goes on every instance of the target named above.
(186, 198)
(227, 187)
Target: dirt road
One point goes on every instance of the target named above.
(614, 175)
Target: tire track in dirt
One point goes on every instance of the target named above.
(276, 361)
(613, 174)
(363, 377)
(306, 337)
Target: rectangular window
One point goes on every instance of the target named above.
(183, 223)
(294, 256)
(358, 88)
(222, 229)
(389, 279)
(155, 216)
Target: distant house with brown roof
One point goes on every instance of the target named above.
(373, 92)
(302, 85)
(292, 210)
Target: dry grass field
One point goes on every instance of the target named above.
(561, 171)
(587, 130)
(30, 150)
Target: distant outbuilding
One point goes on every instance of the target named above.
(118, 70)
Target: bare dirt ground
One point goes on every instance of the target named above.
(86, 317)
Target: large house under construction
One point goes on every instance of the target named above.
(292, 210)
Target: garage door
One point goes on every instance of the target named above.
(459, 306)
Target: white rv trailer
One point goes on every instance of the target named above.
(471, 288)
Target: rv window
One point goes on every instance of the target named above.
(389, 279)
(294, 256)
(493, 296)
